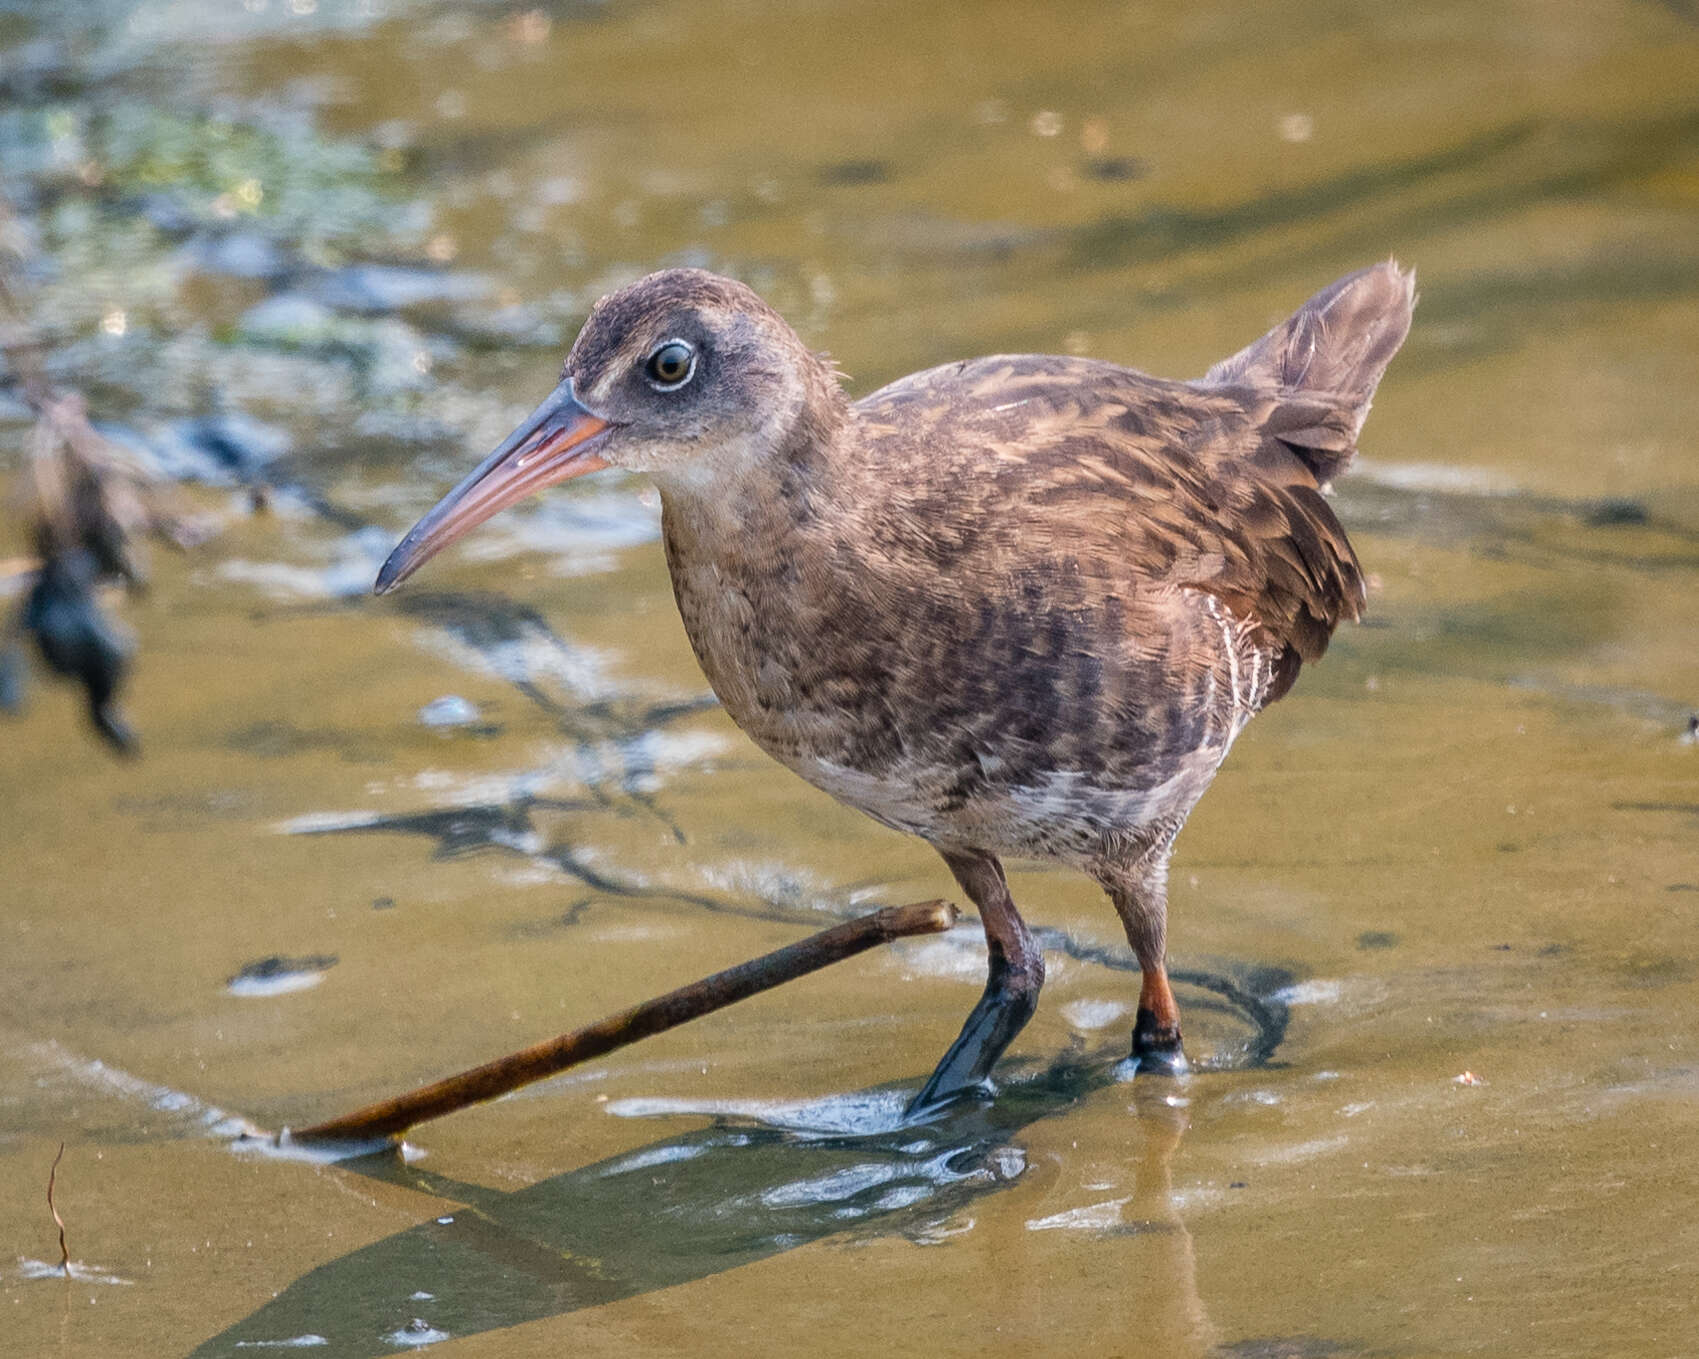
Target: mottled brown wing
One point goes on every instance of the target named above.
(1145, 485)
(1296, 573)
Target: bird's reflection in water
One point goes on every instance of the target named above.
(1161, 1297)
(738, 1191)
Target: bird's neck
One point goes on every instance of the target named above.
(751, 557)
(763, 491)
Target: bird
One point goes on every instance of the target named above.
(1018, 605)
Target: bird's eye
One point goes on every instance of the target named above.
(672, 364)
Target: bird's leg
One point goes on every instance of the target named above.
(1142, 901)
(1011, 989)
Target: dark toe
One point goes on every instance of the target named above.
(1160, 1061)
(933, 1100)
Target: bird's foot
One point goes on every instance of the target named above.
(1156, 1049)
(1009, 1000)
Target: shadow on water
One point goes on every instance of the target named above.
(759, 1181)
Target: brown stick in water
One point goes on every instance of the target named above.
(392, 1117)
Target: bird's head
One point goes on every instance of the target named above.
(684, 375)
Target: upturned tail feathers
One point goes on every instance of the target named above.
(1334, 348)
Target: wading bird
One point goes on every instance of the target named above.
(1017, 605)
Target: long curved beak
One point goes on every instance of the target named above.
(552, 445)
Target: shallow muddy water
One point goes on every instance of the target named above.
(1439, 915)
